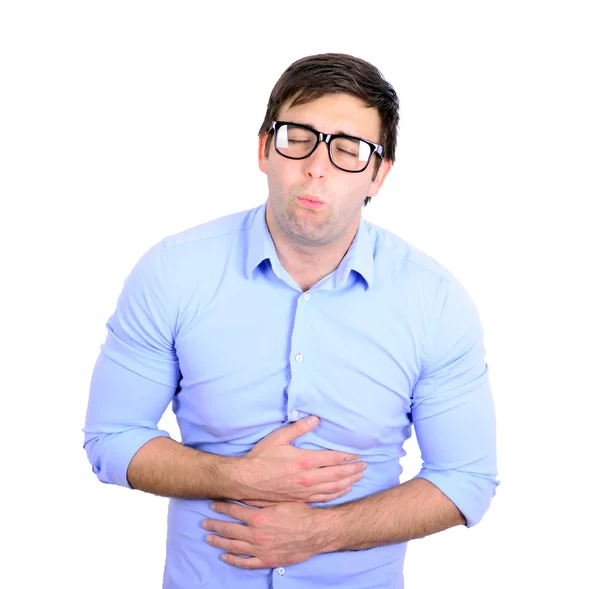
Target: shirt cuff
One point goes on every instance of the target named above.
(110, 454)
(471, 493)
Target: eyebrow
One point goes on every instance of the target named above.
(338, 132)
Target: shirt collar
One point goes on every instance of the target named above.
(359, 256)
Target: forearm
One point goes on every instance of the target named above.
(165, 467)
(412, 510)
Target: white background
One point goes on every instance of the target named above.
(117, 122)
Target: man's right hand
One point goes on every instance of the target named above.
(276, 471)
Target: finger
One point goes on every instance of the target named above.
(331, 474)
(318, 458)
(335, 487)
(228, 529)
(233, 510)
(244, 563)
(287, 433)
(337, 473)
(232, 546)
(259, 503)
(323, 498)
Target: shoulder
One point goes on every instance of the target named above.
(221, 229)
(198, 251)
(450, 313)
(210, 245)
(395, 254)
(403, 268)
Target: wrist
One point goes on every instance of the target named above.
(328, 521)
(228, 477)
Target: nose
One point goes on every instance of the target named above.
(317, 164)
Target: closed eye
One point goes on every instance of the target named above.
(346, 152)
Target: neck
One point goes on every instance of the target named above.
(307, 264)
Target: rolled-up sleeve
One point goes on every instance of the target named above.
(452, 407)
(136, 373)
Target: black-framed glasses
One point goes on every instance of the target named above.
(296, 142)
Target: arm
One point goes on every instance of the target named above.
(273, 469)
(135, 378)
(454, 422)
(122, 439)
(136, 374)
(412, 510)
(283, 534)
(165, 467)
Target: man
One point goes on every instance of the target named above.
(255, 322)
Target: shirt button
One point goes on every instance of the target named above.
(306, 296)
(299, 358)
(281, 571)
(295, 414)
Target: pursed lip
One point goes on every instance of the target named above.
(310, 198)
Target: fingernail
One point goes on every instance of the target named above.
(312, 419)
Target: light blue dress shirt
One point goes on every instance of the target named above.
(210, 320)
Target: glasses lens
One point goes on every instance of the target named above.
(350, 154)
(294, 142)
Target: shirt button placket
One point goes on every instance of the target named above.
(295, 414)
(298, 357)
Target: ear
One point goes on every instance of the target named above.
(262, 157)
(384, 170)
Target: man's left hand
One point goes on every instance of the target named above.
(278, 534)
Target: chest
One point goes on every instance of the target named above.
(253, 359)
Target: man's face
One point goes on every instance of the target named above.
(342, 193)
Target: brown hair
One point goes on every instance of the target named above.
(312, 77)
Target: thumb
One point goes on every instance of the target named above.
(257, 503)
(287, 433)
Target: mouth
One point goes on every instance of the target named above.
(311, 202)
